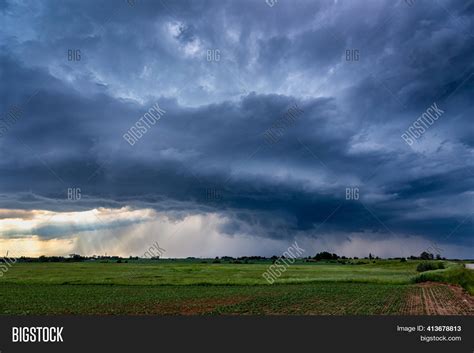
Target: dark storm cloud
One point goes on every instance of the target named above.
(211, 140)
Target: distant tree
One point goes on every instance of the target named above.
(370, 256)
(438, 257)
(426, 256)
(325, 256)
(76, 257)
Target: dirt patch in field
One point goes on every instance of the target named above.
(413, 302)
(430, 298)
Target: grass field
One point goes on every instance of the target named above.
(191, 287)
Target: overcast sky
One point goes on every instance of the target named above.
(205, 179)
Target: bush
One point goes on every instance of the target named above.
(429, 266)
(454, 275)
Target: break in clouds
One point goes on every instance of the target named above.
(309, 121)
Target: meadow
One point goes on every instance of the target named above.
(170, 287)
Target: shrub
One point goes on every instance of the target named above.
(454, 275)
(429, 266)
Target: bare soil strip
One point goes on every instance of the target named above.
(432, 298)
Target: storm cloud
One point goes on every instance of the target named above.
(77, 77)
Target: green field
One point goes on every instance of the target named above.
(191, 287)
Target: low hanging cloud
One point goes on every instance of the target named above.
(127, 232)
(49, 224)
